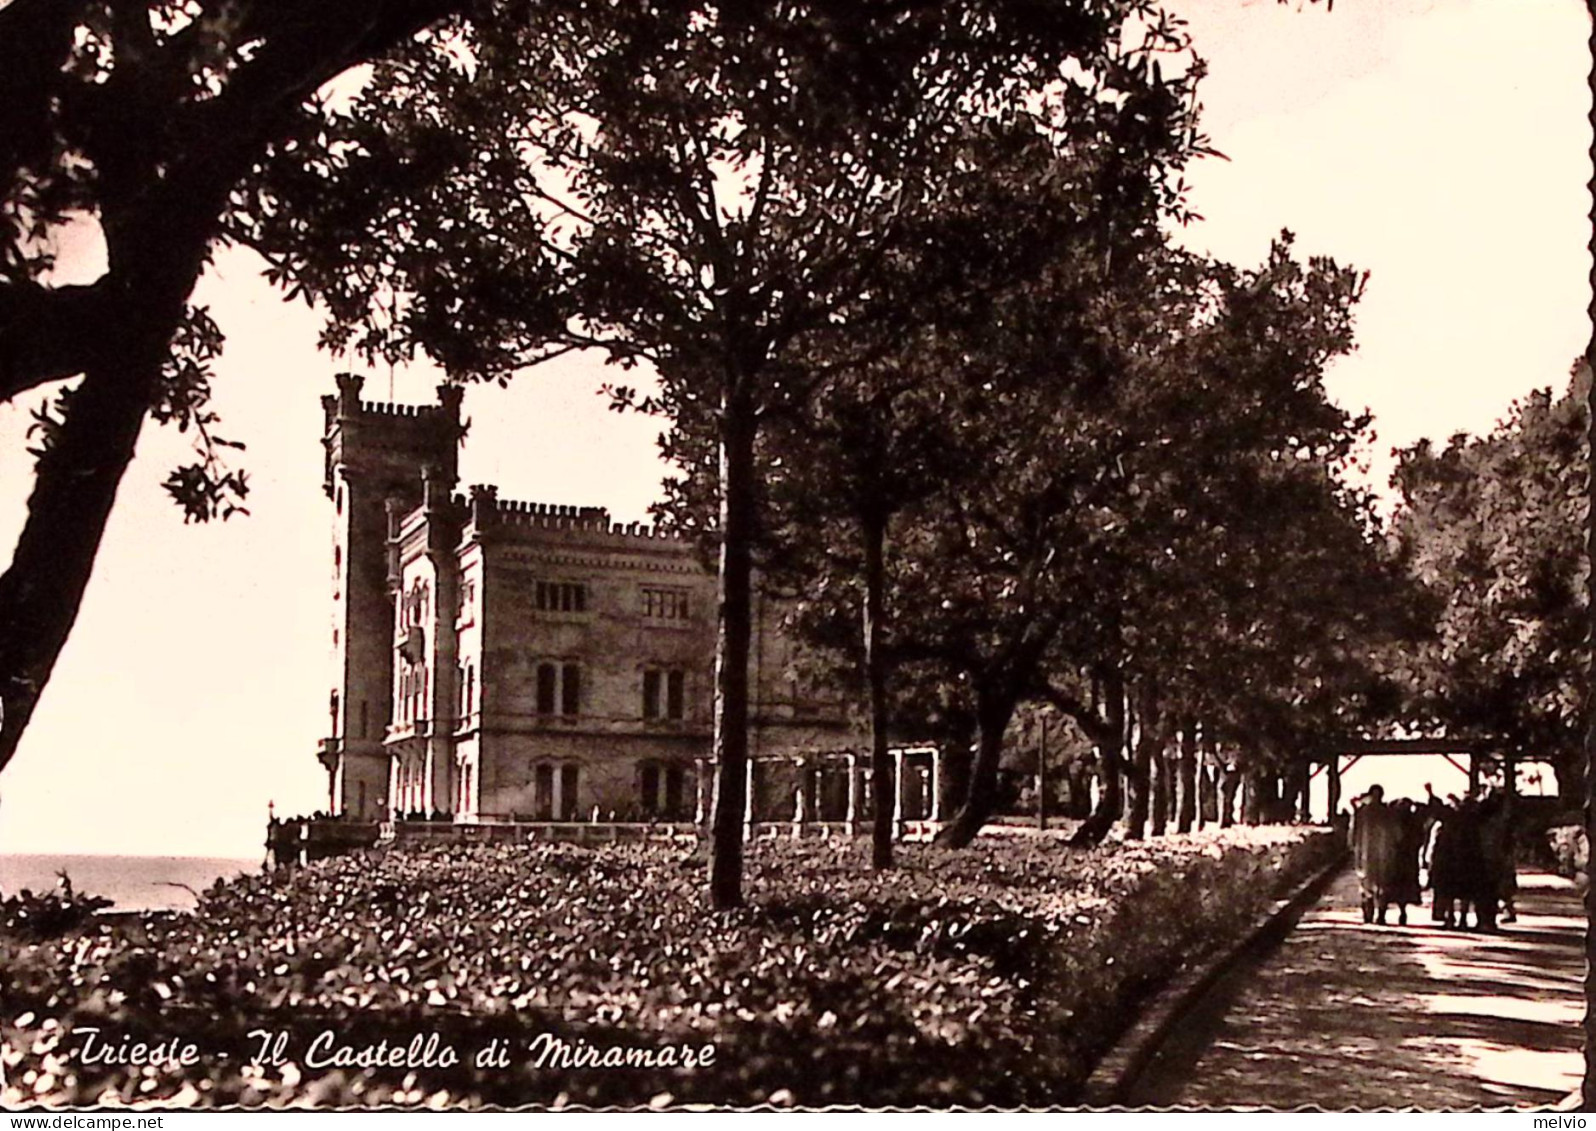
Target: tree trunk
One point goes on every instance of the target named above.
(1186, 814)
(993, 718)
(1110, 744)
(738, 428)
(76, 480)
(957, 761)
(1110, 784)
(1163, 794)
(1041, 777)
(873, 531)
(1111, 781)
(1137, 772)
(1079, 775)
(1260, 797)
(1229, 783)
(1143, 740)
(76, 484)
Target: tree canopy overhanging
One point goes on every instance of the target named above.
(142, 118)
(901, 278)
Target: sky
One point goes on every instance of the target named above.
(1441, 145)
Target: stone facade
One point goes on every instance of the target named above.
(498, 660)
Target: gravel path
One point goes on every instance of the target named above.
(1344, 1016)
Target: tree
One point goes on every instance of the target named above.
(1207, 514)
(1499, 530)
(878, 439)
(716, 191)
(1144, 500)
(867, 447)
(1489, 525)
(140, 116)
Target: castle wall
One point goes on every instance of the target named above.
(610, 643)
(498, 658)
(608, 773)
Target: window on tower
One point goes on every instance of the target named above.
(559, 597)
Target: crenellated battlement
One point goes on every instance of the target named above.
(488, 511)
(553, 510)
(411, 411)
(393, 441)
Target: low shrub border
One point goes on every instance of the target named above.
(559, 975)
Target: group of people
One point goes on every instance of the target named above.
(1461, 849)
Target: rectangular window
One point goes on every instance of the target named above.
(547, 677)
(675, 694)
(665, 604)
(665, 694)
(675, 787)
(648, 788)
(568, 797)
(570, 690)
(543, 792)
(559, 597)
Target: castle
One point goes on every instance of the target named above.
(498, 661)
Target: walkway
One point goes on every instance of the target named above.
(1345, 1016)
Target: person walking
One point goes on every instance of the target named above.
(1408, 829)
(1374, 849)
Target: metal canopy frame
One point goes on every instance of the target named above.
(1357, 749)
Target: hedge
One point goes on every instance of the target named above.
(992, 975)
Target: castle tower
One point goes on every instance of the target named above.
(374, 461)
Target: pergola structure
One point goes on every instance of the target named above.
(1332, 761)
(828, 790)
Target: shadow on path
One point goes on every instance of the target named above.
(1345, 1015)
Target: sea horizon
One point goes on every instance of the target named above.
(132, 881)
